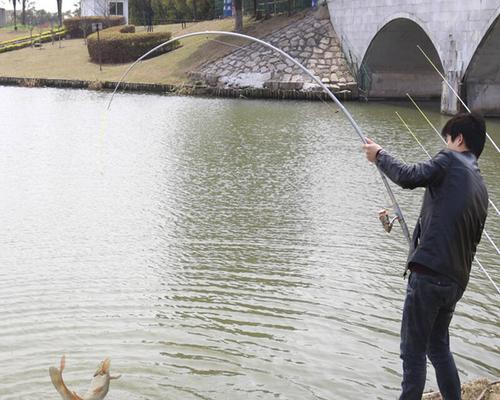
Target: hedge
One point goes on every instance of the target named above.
(33, 36)
(119, 47)
(35, 39)
(127, 29)
(79, 27)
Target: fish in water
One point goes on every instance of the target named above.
(99, 385)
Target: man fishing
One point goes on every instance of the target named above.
(443, 246)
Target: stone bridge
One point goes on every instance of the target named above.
(462, 37)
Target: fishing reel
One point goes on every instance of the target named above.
(386, 220)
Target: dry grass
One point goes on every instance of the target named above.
(481, 389)
(8, 33)
(71, 61)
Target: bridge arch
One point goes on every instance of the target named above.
(481, 81)
(393, 66)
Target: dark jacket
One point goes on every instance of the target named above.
(453, 212)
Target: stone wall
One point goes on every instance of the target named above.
(311, 41)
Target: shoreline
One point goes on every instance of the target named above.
(197, 90)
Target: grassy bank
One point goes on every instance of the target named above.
(71, 60)
(9, 33)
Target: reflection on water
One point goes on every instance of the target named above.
(212, 248)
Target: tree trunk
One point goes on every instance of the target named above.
(195, 16)
(59, 12)
(238, 22)
(23, 13)
(15, 17)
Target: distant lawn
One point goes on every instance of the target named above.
(71, 61)
(8, 32)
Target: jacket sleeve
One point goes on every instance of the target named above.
(410, 176)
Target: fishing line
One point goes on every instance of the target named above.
(316, 93)
(358, 130)
(415, 137)
(428, 155)
(444, 141)
(335, 109)
(454, 92)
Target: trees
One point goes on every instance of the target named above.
(15, 15)
(238, 21)
(195, 16)
(170, 10)
(77, 9)
(59, 12)
(23, 12)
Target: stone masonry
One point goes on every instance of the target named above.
(457, 30)
(311, 41)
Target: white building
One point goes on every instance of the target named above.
(91, 8)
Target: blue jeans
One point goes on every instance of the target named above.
(428, 309)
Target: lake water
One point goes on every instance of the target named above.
(213, 248)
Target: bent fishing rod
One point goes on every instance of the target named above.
(397, 210)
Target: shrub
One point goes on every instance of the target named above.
(119, 47)
(82, 26)
(35, 34)
(47, 37)
(127, 29)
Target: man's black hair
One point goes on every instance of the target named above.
(471, 126)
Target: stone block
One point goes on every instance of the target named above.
(311, 42)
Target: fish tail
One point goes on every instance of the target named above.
(58, 382)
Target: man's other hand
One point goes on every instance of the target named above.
(371, 149)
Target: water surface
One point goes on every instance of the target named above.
(213, 248)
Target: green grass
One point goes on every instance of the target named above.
(71, 61)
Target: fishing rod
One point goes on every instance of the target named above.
(454, 92)
(428, 155)
(397, 210)
(444, 141)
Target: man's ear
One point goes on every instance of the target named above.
(460, 140)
